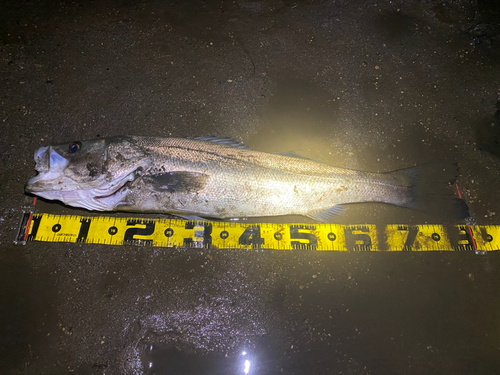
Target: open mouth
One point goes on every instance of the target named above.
(61, 179)
(104, 198)
(49, 166)
(113, 198)
(117, 191)
(107, 197)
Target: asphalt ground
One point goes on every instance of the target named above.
(373, 86)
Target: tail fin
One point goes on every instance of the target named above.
(430, 190)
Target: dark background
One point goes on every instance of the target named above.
(370, 85)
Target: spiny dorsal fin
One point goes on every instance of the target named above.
(222, 140)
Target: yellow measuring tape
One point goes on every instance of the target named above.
(237, 235)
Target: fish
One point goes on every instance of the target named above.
(219, 178)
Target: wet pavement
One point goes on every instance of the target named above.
(366, 85)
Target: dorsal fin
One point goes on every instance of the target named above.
(222, 140)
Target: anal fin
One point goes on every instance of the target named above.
(328, 214)
(191, 217)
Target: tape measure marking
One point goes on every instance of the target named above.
(236, 235)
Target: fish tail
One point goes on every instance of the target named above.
(428, 188)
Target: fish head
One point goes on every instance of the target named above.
(88, 174)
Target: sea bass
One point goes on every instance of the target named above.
(213, 178)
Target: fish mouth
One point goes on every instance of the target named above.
(103, 193)
(50, 166)
(104, 198)
(52, 184)
(109, 199)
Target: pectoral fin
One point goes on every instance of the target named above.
(177, 182)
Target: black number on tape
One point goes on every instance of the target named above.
(357, 241)
(149, 228)
(206, 234)
(84, 229)
(251, 236)
(461, 239)
(312, 243)
(410, 239)
(34, 229)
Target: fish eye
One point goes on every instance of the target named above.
(75, 146)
